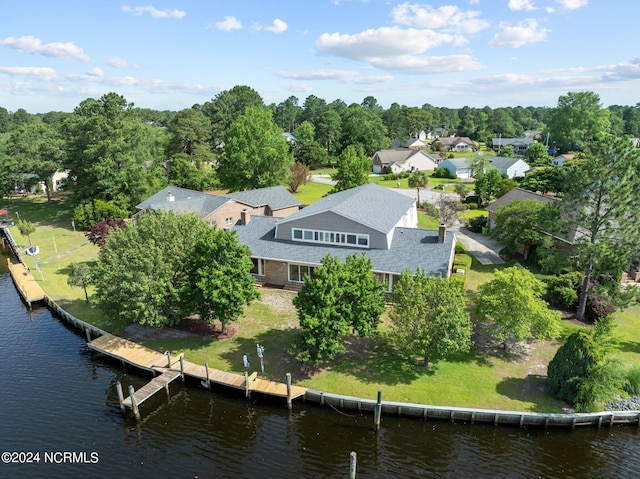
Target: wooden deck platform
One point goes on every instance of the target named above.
(152, 387)
(150, 360)
(128, 351)
(27, 286)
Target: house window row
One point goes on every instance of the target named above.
(315, 236)
(297, 272)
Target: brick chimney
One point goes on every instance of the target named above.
(441, 231)
(245, 217)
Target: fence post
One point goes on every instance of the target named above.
(378, 412)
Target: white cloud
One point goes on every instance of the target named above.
(447, 17)
(523, 33)
(31, 44)
(572, 4)
(421, 65)
(154, 12)
(40, 73)
(229, 24)
(117, 62)
(96, 72)
(343, 76)
(278, 26)
(382, 42)
(521, 5)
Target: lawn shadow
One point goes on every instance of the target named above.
(628, 346)
(378, 362)
(277, 360)
(532, 389)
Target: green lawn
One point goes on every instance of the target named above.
(312, 191)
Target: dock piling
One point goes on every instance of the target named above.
(353, 460)
(206, 368)
(182, 368)
(134, 403)
(288, 378)
(378, 412)
(120, 396)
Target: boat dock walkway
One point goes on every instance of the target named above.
(29, 288)
(171, 368)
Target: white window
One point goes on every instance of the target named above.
(316, 236)
(228, 221)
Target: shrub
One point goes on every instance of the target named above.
(598, 307)
(462, 261)
(562, 289)
(460, 248)
(441, 173)
(471, 199)
(87, 214)
(632, 384)
(459, 279)
(472, 206)
(476, 224)
(431, 210)
(600, 387)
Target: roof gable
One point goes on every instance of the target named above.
(276, 197)
(362, 205)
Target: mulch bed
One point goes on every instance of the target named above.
(195, 326)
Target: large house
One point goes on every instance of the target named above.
(511, 167)
(400, 160)
(369, 219)
(223, 211)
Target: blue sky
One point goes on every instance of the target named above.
(172, 54)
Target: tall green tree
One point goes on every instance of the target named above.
(353, 170)
(362, 127)
(547, 179)
(329, 130)
(255, 153)
(429, 318)
(536, 155)
(517, 225)
(219, 283)
(512, 304)
(108, 147)
(227, 106)
(338, 299)
(190, 150)
(286, 113)
(142, 272)
(80, 277)
(39, 150)
(601, 195)
(418, 180)
(26, 228)
(488, 185)
(577, 120)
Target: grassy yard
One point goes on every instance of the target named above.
(486, 378)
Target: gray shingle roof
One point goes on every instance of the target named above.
(276, 197)
(371, 205)
(503, 162)
(517, 194)
(203, 204)
(411, 248)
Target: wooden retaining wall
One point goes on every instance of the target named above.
(468, 415)
(90, 330)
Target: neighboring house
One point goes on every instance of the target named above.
(369, 219)
(635, 142)
(223, 211)
(512, 167)
(458, 166)
(559, 160)
(519, 144)
(415, 144)
(532, 134)
(400, 160)
(30, 179)
(457, 143)
(290, 138)
(563, 241)
(422, 136)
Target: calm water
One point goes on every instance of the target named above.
(56, 397)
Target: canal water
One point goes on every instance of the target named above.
(59, 409)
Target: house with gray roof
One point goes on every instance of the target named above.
(519, 144)
(398, 160)
(512, 167)
(457, 143)
(457, 166)
(369, 219)
(223, 211)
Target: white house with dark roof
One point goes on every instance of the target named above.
(223, 211)
(512, 167)
(398, 160)
(369, 219)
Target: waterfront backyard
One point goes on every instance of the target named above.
(487, 377)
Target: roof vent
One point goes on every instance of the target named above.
(170, 197)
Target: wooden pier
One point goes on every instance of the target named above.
(27, 286)
(170, 368)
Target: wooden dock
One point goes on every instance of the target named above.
(171, 367)
(27, 286)
(152, 387)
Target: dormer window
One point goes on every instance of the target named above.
(316, 236)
